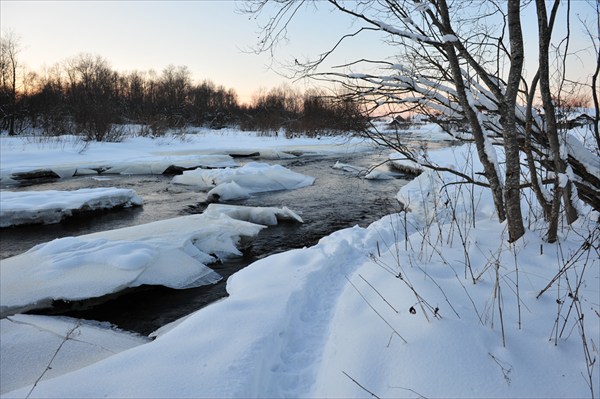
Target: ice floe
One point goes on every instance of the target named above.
(237, 183)
(367, 173)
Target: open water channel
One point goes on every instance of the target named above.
(337, 200)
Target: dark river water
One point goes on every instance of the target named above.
(337, 200)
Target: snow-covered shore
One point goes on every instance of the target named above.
(433, 302)
(66, 157)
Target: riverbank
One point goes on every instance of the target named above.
(387, 310)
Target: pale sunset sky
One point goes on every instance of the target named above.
(208, 36)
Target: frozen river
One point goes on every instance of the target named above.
(337, 200)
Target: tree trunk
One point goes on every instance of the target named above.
(536, 184)
(512, 192)
(13, 95)
(489, 168)
(595, 90)
(552, 130)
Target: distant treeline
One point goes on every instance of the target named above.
(84, 95)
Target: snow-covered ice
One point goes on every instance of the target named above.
(239, 183)
(367, 173)
(52, 206)
(268, 216)
(405, 165)
(172, 252)
(29, 343)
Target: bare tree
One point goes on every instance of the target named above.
(595, 40)
(551, 124)
(92, 95)
(461, 61)
(9, 63)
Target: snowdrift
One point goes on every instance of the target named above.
(387, 310)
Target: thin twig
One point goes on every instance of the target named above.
(374, 310)
(49, 366)
(359, 384)
(378, 293)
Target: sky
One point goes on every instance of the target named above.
(211, 37)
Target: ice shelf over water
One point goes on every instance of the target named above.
(172, 252)
(52, 206)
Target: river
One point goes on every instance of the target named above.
(337, 200)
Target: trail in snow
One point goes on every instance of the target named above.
(289, 371)
(274, 352)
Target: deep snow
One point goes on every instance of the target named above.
(66, 156)
(429, 303)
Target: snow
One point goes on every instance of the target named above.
(52, 206)
(228, 192)
(67, 156)
(404, 33)
(428, 132)
(293, 325)
(405, 165)
(268, 216)
(239, 183)
(29, 343)
(449, 38)
(583, 155)
(172, 252)
(563, 180)
(433, 302)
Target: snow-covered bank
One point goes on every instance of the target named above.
(429, 303)
(172, 252)
(65, 157)
(52, 206)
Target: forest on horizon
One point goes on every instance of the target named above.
(85, 95)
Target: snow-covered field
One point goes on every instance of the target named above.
(429, 303)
